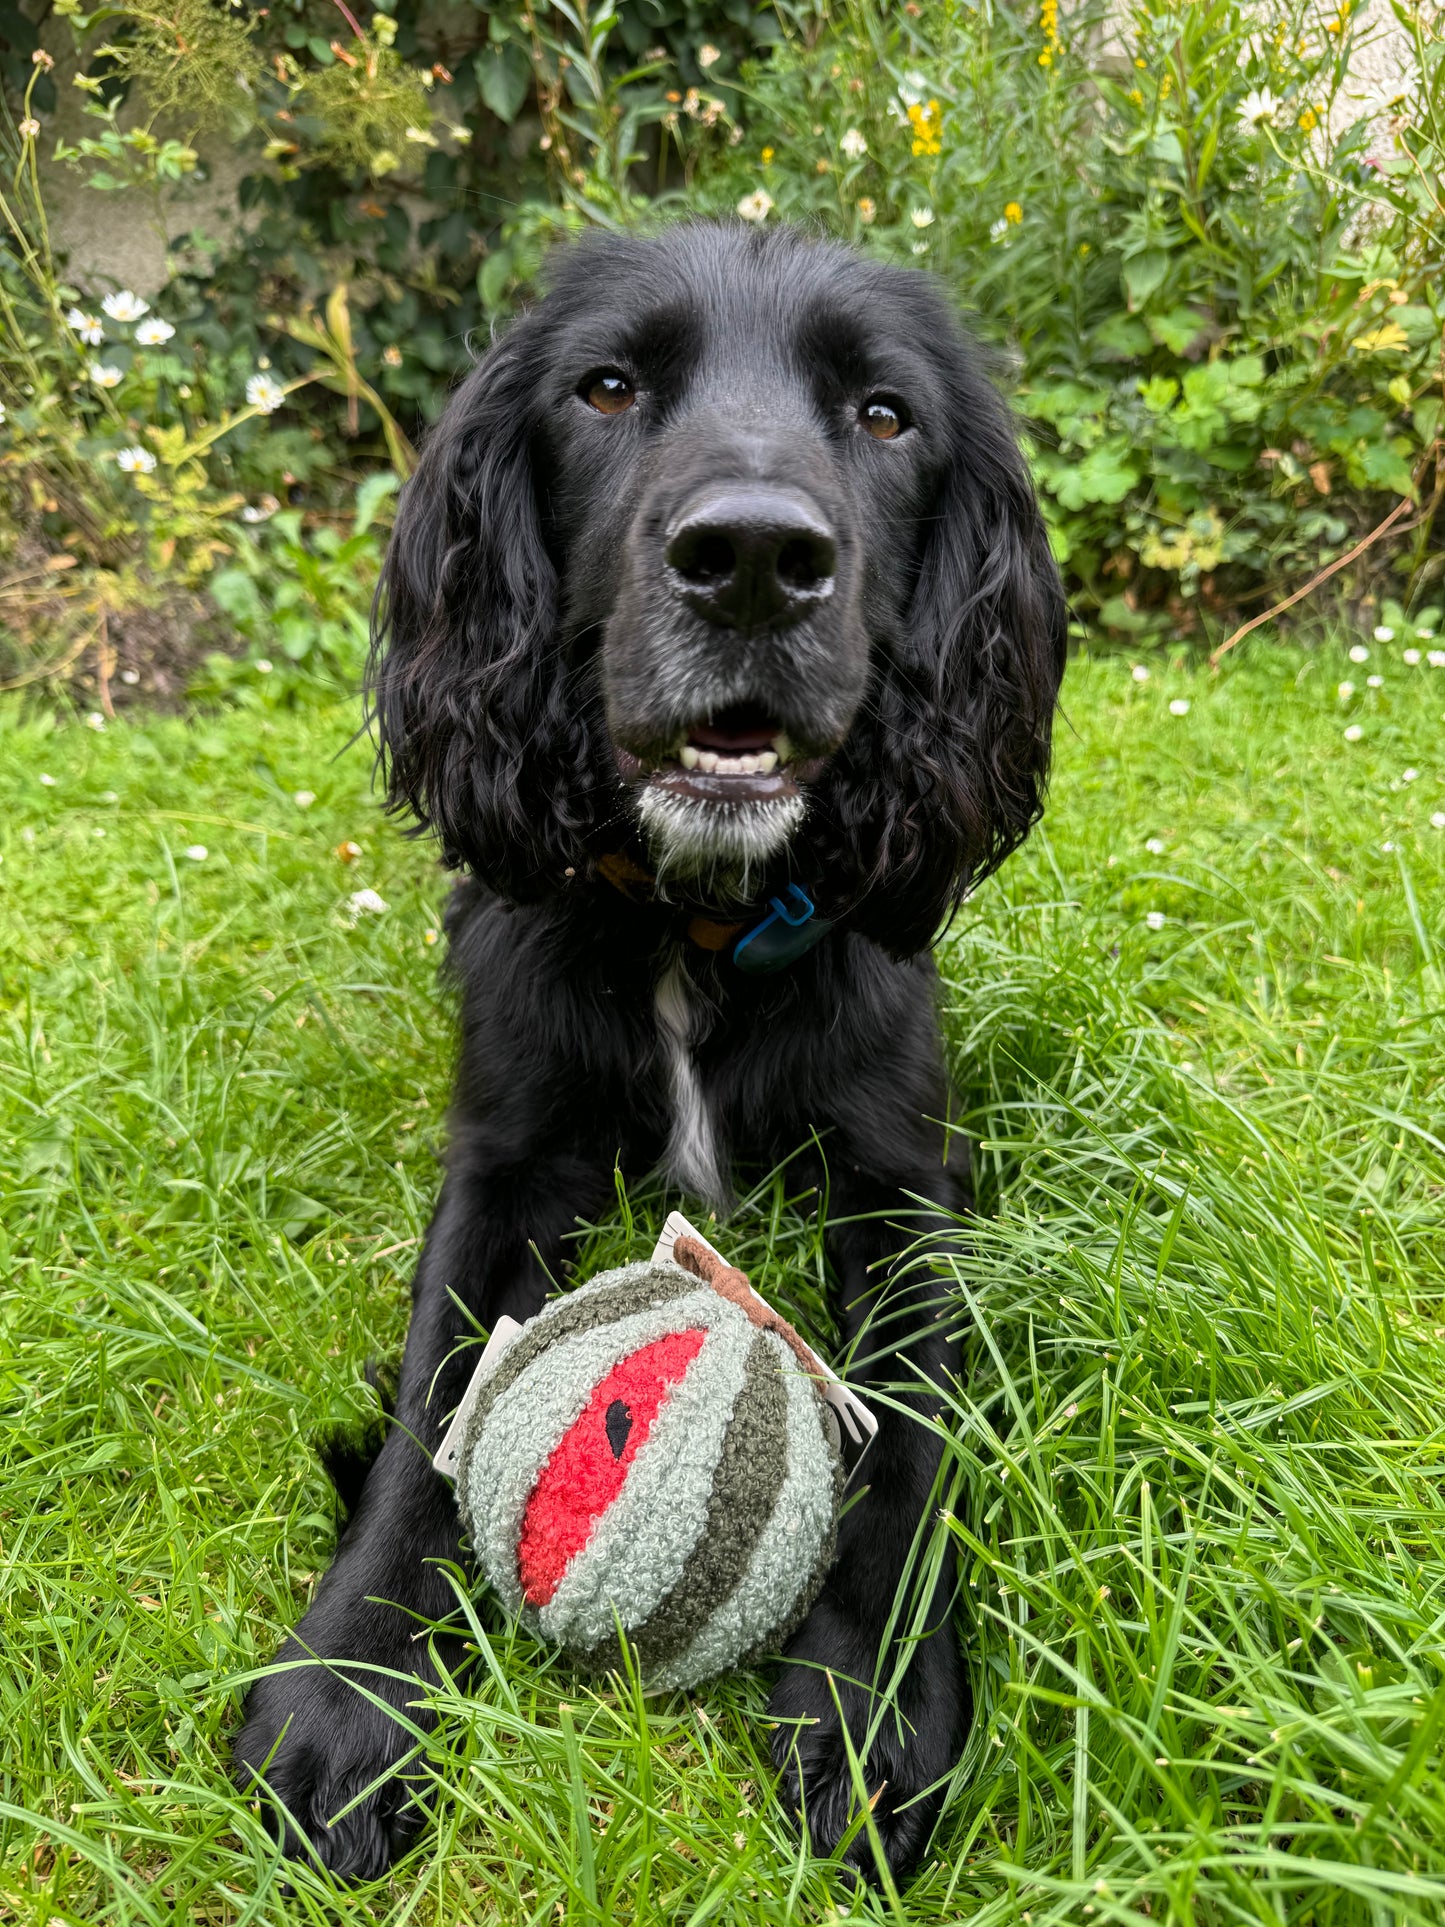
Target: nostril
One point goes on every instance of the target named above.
(804, 562)
(713, 559)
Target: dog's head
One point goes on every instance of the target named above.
(729, 544)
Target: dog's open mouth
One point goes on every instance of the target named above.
(741, 755)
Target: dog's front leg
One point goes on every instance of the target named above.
(314, 1732)
(904, 1700)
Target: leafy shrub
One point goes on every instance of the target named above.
(1219, 272)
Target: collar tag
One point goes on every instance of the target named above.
(789, 931)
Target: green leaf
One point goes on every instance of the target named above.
(504, 75)
(369, 497)
(1121, 338)
(493, 276)
(1143, 274)
(1106, 474)
(1178, 330)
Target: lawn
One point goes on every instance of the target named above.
(1198, 1029)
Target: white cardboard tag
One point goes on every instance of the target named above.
(855, 1416)
(447, 1453)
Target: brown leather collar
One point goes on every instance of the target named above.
(638, 885)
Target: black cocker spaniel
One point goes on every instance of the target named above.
(718, 642)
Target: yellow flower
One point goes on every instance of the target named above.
(867, 211)
(1389, 337)
(1046, 59)
(768, 153)
(1141, 64)
(1136, 96)
(926, 120)
(1083, 249)
(1309, 120)
(1013, 213)
(1166, 86)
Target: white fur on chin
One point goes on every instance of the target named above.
(695, 840)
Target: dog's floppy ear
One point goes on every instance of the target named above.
(467, 689)
(959, 748)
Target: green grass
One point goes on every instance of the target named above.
(1198, 1450)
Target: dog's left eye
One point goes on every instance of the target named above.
(608, 392)
(883, 417)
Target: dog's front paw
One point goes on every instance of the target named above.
(916, 1740)
(315, 1738)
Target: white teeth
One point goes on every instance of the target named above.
(783, 747)
(746, 765)
(707, 761)
(687, 756)
(767, 762)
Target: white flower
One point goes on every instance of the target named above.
(1436, 658)
(2, 414)
(854, 144)
(1179, 706)
(921, 216)
(266, 393)
(130, 677)
(1154, 845)
(1425, 635)
(1409, 775)
(1155, 919)
(365, 902)
(136, 461)
(1410, 657)
(95, 720)
(1359, 653)
(47, 782)
(920, 247)
(999, 230)
(105, 375)
(1374, 682)
(1139, 672)
(261, 511)
(125, 306)
(150, 334)
(1388, 848)
(197, 852)
(1258, 104)
(1353, 733)
(708, 55)
(1383, 633)
(756, 206)
(87, 326)
(1346, 690)
(422, 136)
(29, 128)
(1437, 821)
(263, 665)
(303, 799)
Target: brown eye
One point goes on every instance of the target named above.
(609, 393)
(884, 420)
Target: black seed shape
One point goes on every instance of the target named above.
(619, 1427)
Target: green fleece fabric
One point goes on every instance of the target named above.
(723, 1529)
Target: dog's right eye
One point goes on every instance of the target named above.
(609, 393)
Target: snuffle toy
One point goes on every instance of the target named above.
(658, 1450)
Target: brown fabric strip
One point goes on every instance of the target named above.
(732, 1284)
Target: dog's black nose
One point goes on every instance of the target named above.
(752, 558)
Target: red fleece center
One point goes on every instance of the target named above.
(589, 1464)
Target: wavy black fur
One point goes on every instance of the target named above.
(536, 656)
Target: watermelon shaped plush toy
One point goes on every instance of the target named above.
(656, 1449)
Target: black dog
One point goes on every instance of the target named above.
(721, 573)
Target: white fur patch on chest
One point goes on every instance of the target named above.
(683, 1020)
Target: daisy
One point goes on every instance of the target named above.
(1437, 821)
(265, 393)
(136, 461)
(303, 799)
(1259, 104)
(1436, 658)
(1353, 733)
(1346, 690)
(150, 334)
(1409, 775)
(87, 326)
(1154, 845)
(1359, 653)
(197, 852)
(104, 375)
(1384, 633)
(854, 144)
(1411, 656)
(1155, 919)
(365, 902)
(1179, 706)
(756, 206)
(125, 306)
(921, 216)
(1139, 672)
(1374, 682)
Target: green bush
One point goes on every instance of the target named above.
(1219, 272)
